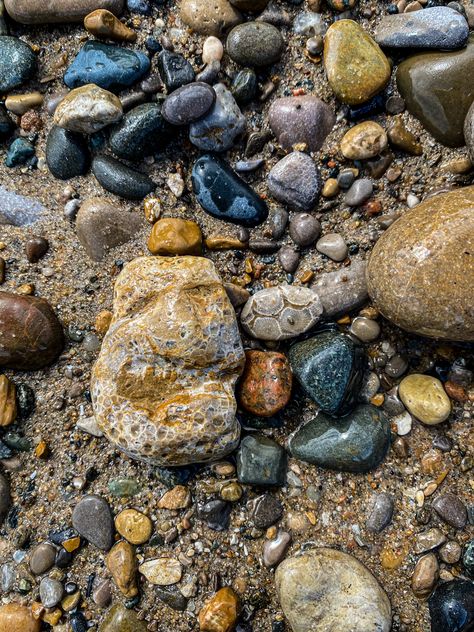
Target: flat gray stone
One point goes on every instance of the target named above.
(295, 181)
(343, 290)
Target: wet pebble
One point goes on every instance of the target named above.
(121, 619)
(175, 70)
(87, 110)
(364, 141)
(175, 236)
(304, 229)
(51, 592)
(425, 398)
(425, 576)
(261, 461)
(266, 510)
(42, 558)
(359, 192)
(275, 550)
(333, 246)
(451, 510)
(17, 618)
(289, 259)
(265, 385)
(216, 514)
(36, 248)
(450, 553)
(134, 526)
(220, 612)
(67, 154)
(210, 18)
(188, 103)
(295, 181)
(116, 177)
(255, 44)
(92, 519)
(380, 512)
(17, 63)
(244, 86)
(122, 565)
(452, 607)
(365, 329)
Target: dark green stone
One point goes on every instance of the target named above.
(119, 619)
(438, 90)
(244, 86)
(356, 443)
(261, 461)
(329, 366)
(123, 487)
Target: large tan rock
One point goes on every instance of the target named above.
(163, 385)
(17, 618)
(49, 11)
(421, 271)
(324, 589)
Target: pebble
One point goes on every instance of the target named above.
(122, 565)
(330, 368)
(429, 540)
(67, 154)
(101, 225)
(451, 510)
(450, 553)
(304, 229)
(419, 258)
(469, 132)
(224, 195)
(5, 498)
(396, 366)
(220, 612)
(20, 103)
(36, 248)
(355, 443)
(51, 592)
(210, 18)
(134, 526)
(107, 66)
(174, 236)
(434, 88)
(244, 86)
(103, 24)
(452, 607)
(380, 512)
(163, 571)
(435, 27)
(468, 558)
(401, 138)
(87, 110)
(289, 259)
(175, 70)
(121, 619)
(359, 192)
(32, 336)
(17, 618)
(363, 141)
(212, 50)
(266, 510)
(39, 12)
(403, 423)
(425, 398)
(143, 131)
(365, 329)
(309, 23)
(261, 461)
(333, 246)
(218, 130)
(21, 152)
(275, 550)
(93, 520)
(349, 596)
(216, 514)
(116, 177)
(342, 291)
(265, 386)
(42, 558)
(207, 428)
(295, 180)
(177, 498)
(356, 68)
(17, 63)
(425, 576)
(255, 44)
(281, 312)
(188, 103)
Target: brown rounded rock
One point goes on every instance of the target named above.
(220, 612)
(421, 271)
(175, 236)
(36, 248)
(265, 387)
(17, 618)
(134, 526)
(41, 12)
(42, 558)
(122, 564)
(31, 335)
(210, 18)
(425, 575)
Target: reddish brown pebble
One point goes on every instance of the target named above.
(455, 391)
(219, 614)
(36, 248)
(265, 387)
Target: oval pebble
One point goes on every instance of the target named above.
(255, 44)
(120, 179)
(188, 103)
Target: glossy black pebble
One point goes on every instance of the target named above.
(67, 154)
(452, 607)
(117, 178)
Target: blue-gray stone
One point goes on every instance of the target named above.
(261, 461)
(18, 210)
(120, 179)
(67, 154)
(255, 44)
(468, 558)
(175, 70)
(17, 63)
(93, 520)
(188, 103)
(109, 67)
(452, 607)
(356, 443)
(141, 132)
(21, 152)
(435, 28)
(51, 592)
(218, 130)
(295, 181)
(330, 367)
(224, 195)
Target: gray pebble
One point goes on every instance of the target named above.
(102, 594)
(289, 259)
(365, 329)
(345, 178)
(295, 181)
(278, 221)
(392, 404)
(274, 550)
(380, 512)
(396, 366)
(451, 510)
(359, 192)
(429, 540)
(333, 246)
(255, 44)
(5, 498)
(450, 552)
(304, 229)
(210, 73)
(93, 520)
(266, 510)
(188, 103)
(51, 592)
(342, 291)
(309, 23)
(7, 577)
(42, 558)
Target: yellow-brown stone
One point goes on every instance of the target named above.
(220, 612)
(134, 526)
(103, 23)
(421, 271)
(425, 398)
(363, 141)
(355, 65)
(7, 401)
(163, 385)
(122, 564)
(175, 236)
(17, 618)
(177, 498)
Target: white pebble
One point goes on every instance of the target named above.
(412, 200)
(403, 423)
(212, 50)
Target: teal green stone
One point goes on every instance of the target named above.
(356, 443)
(122, 487)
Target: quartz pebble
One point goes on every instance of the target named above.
(88, 109)
(163, 571)
(425, 398)
(212, 49)
(333, 246)
(295, 180)
(51, 592)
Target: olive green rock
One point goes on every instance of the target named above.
(436, 91)
(421, 271)
(355, 65)
(119, 619)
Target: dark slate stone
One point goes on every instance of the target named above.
(216, 514)
(356, 443)
(109, 67)
(452, 607)
(6, 124)
(266, 510)
(261, 461)
(188, 103)
(124, 181)
(222, 194)
(244, 86)
(93, 520)
(175, 70)
(171, 597)
(141, 132)
(330, 368)
(17, 63)
(67, 154)
(380, 512)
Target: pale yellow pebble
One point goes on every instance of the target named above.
(21, 103)
(425, 398)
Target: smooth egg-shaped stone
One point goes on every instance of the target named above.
(17, 63)
(222, 194)
(67, 154)
(452, 607)
(355, 443)
(188, 103)
(435, 90)
(121, 619)
(255, 44)
(41, 12)
(120, 179)
(421, 271)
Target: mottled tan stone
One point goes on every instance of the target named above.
(88, 109)
(209, 18)
(421, 271)
(7, 401)
(50, 11)
(134, 526)
(365, 140)
(163, 385)
(425, 576)
(175, 236)
(122, 564)
(103, 23)
(219, 613)
(17, 618)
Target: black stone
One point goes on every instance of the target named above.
(142, 132)
(6, 124)
(244, 86)
(172, 598)
(124, 181)
(468, 558)
(266, 510)
(224, 195)
(67, 154)
(189, 103)
(452, 607)
(261, 461)
(63, 558)
(216, 514)
(175, 70)
(25, 400)
(17, 63)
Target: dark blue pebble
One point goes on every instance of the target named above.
(17, 63)
(224, 195)
(175, 70)
(21, 152)
(452, 607)
(121, 180)
(371, 108)
(109, 67)
(67, 154)
(6, 124)
(143, 7)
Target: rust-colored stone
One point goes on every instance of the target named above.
(220, 612)
(265, 387)
(7, 401)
